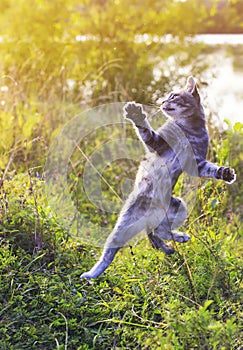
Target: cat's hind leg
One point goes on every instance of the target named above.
(163, 232)
(105, 260)
(158, 243)
(177, 236)
(175, 217)
(133, 219)
(177, 214)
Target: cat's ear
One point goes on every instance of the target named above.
(192, 87)
(190, 84)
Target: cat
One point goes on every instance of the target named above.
(179, 145)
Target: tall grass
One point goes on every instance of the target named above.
(145, 300)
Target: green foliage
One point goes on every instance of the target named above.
(235, 145)
(25, 219)
(145, 299)
(57, 57)
(49, 44)
(225, 19)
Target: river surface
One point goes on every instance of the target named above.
(225, 91)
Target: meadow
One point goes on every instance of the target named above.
(60, 59)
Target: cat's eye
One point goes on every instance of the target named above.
(172, 96)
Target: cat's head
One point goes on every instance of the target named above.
(183, 104)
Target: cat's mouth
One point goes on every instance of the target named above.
(168, 109)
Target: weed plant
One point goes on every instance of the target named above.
(57, 59)
(145, 300)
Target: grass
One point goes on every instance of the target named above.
(145, 300)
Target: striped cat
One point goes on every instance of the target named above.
(179, 145)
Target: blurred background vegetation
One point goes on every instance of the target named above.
(59, 58)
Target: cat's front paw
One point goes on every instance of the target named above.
(134, 112)
(229, 175)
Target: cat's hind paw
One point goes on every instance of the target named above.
(101, 265)
(134, 111)
(90, 274)
(167, 248)
(158, 243)
(86, 275)
(180, 237)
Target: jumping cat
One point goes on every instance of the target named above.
(179, 145)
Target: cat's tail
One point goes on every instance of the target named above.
(105, 260)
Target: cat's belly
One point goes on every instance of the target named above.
(157, 176)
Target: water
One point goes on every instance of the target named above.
(225, 91)
(220, 39)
